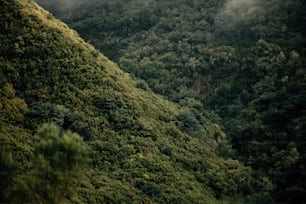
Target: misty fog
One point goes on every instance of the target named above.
(237, 11)
(58, 6)
(62, 6)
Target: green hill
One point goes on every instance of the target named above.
(142, 148)
(240, 63)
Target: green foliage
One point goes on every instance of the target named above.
(191, 123)
(139, 149)
(6, 171)
(148, 188)
(57, 164)
(244, 60)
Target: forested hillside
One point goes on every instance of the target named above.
(74, 128)
(239, 62)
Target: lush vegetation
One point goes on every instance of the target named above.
(129, 145)
(240, 63)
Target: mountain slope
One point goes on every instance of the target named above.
(243, 61)
(142, 147)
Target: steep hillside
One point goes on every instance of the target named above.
(143, 149)
(240, 62)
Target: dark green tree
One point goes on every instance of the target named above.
(59, 158)
(6, 170)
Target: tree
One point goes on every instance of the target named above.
(59, 158)
(6, 170)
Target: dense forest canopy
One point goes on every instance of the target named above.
(240, 63)
(74, 128)
(208, 105)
